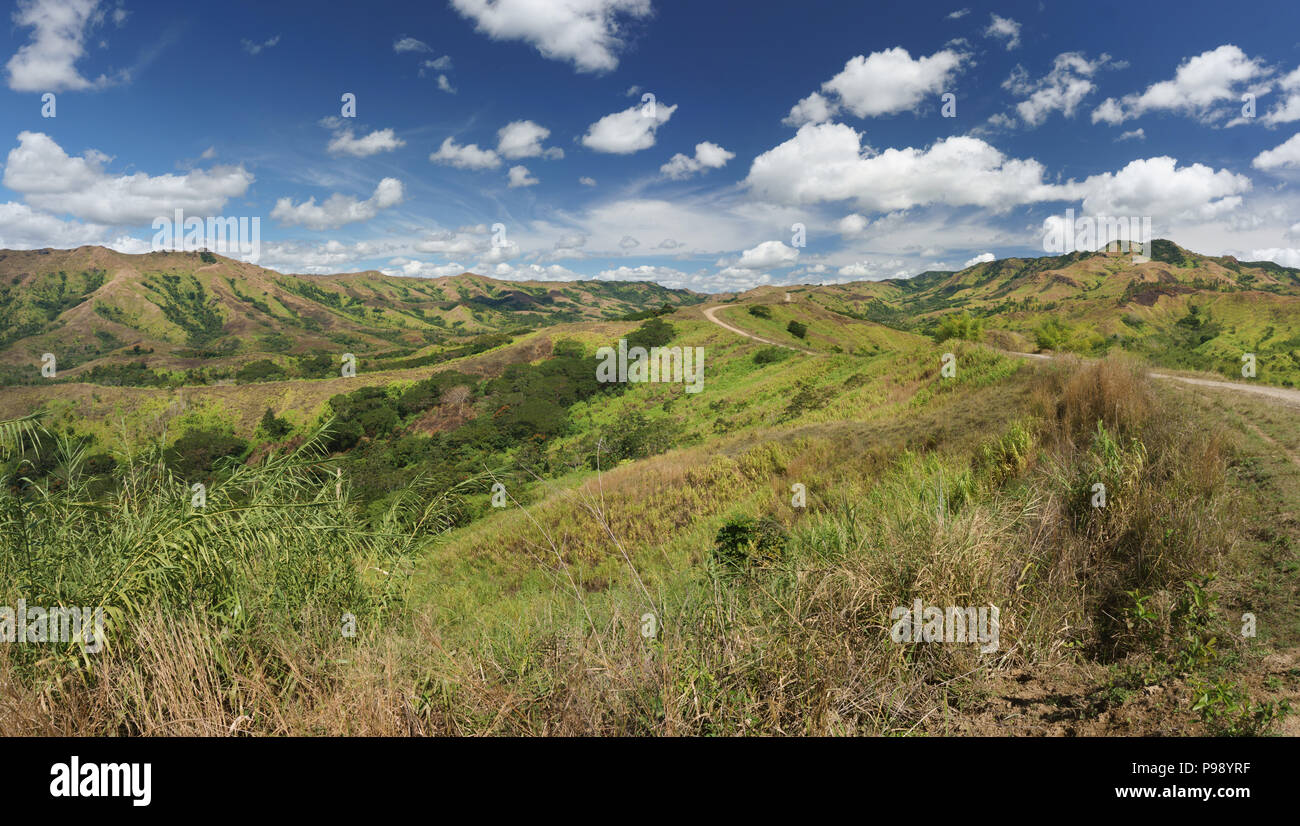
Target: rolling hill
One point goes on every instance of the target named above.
(1180, 309)
(141, 318)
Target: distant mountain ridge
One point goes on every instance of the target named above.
(94, 306)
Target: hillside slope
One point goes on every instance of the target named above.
(169, 311)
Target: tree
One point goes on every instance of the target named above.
(797, 329)
(457, 395)
(273, 426)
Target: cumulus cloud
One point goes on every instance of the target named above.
(707, 156)
(520, 176)
(1285, 156)
(826, 162)
(1138, 134)
(413, 268)
(874, 270)
(766, 256)
(1160, 188)
(1285, 256)
(1060, 90)
(523, 139)
(878, 84)
(852, 225)
(982, 258)
(1004, 28)
(48, 61)
(587, 181)
(338, 209)
(445, 85)
(1286, 110)
(22, 227)
(631, 130)
(1199, 85)
(666, 276)
(50, 180)
(469, 156)
(381, 140)
(587, 33)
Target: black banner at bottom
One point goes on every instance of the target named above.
(139, 777)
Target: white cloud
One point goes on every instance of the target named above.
(468, 156)
(442, 64)
(381, 140)
(51, 180)
(1060, 90)
(707, 156)
(410, 44)
(826, 163)
(1285, 156)
(47, 63)
(413, 268)
(767, 255)
(520, 176)
(1288, 109)
(22, 227)
(852, 225)
(1159, 188)
(523, 139)
(253, 47)
(587, 33)
(1198, 86)
(445, 85)
(982, 258)
(1138, 134)
(338, 209)
(878, 84)
(815, 108)
(1285, 256)
(534, 272)
(959, 14)
(675, 279)
(871, 269)
(1004, 28)
(631, 130)
(586, 181)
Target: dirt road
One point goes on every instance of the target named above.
(1291, 398)
(709, 314)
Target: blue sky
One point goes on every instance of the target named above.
(531, 115)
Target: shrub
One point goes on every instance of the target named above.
(961, 325)
(197, 452)
(654, 333)
(273, 426)
(760, 311)
(743, 541)
(797, 329)
(771, 355)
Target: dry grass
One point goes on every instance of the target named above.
(800, 647)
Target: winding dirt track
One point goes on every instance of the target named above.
(1291, 398)
(709, 314)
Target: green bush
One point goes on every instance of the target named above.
(797, 329)
(744, 541)
(654, 333)
(760, 311)
(273, 426)
(196, 453)
(771, 355)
